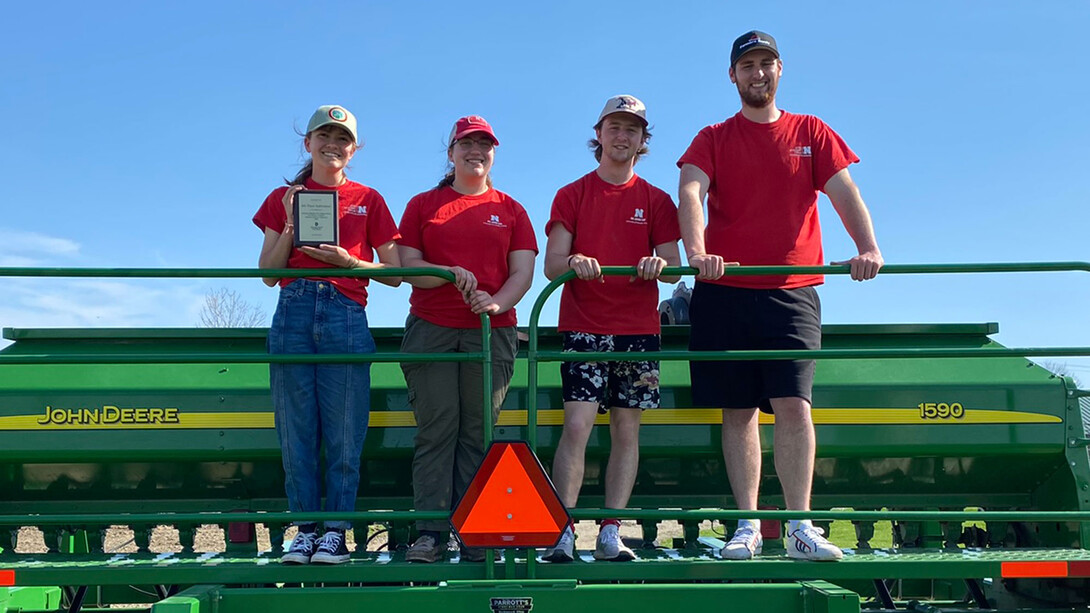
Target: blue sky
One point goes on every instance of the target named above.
(147, 134)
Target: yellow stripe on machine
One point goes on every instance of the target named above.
(549, 417)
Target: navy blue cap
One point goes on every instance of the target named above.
(751, 41)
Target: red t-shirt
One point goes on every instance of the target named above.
(365, 223)
(762, 202)
(474, 232)
(617, 225)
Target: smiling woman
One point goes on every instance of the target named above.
(324, 405)
(484, 237)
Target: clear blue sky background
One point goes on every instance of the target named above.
(147, 134)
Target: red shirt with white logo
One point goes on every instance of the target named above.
(365, 223)
(762, 202)
(474, 232)
(617, 225)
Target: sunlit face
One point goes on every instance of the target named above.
(621, 136)
(330, 147)
(472, 155)
(757, 75)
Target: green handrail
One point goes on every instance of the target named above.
(534, 356)
(224, 273)
(484, 356)
(197, 273)
(577, 514)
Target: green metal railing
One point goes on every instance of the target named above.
(484, 356)
(77, 519)
(535, 358)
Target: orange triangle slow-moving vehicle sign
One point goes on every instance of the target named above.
(510, 503)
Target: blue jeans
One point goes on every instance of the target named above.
(318, 404)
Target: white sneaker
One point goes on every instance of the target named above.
(807, 543)
(564, 550)
(745, 544)
(610, 547)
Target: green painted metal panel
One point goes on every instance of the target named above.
(1006, 449)
(30, 598)
(221, 453)
(196, 599)
(540, 597)
(824, 597)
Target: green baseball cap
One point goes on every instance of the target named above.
(336, 115)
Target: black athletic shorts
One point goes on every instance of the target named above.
(725, 318)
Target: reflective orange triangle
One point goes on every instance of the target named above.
(509, 502)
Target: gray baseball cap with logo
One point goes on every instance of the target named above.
(336, 115)
(623, 103)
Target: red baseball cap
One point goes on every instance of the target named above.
(468, 125)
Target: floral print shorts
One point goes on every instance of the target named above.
(633, 385)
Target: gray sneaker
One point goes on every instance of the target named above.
(610, 547)
(564, 550)
(426, 549)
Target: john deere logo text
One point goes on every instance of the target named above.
(108, 414)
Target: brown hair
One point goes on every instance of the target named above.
(597, 146)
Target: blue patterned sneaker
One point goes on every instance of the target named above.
(302, 546)
(745, 544)
(331, 548)
(805, 542)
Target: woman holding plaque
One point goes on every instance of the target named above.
(323, 405)
(484, 237)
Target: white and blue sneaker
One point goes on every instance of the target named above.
(746, 543)
(805, 542)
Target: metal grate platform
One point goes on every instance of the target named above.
(652, 565)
